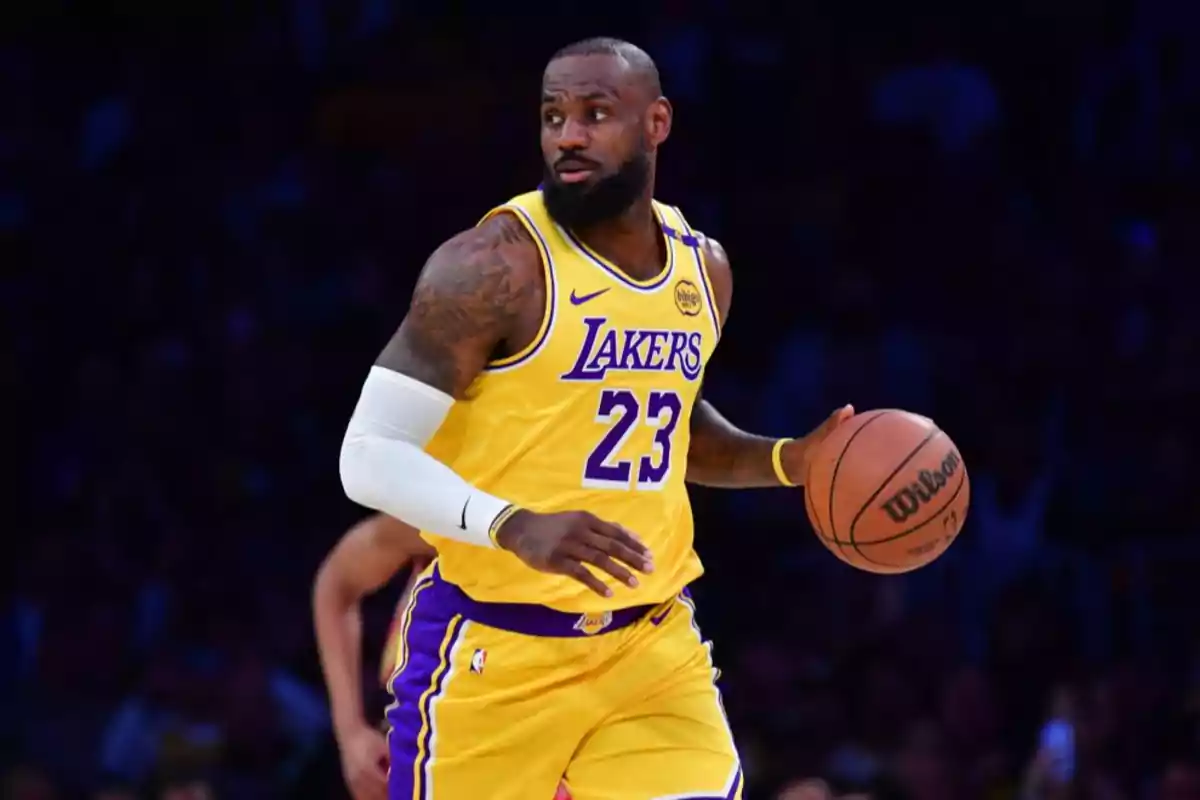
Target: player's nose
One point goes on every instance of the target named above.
(573, 135)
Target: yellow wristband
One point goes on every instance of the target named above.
(777, 462)
(500, 519)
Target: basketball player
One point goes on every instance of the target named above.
(536, 416)
(364, 559)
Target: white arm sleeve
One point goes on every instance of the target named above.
(384, 464)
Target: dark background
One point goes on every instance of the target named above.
(211, 216)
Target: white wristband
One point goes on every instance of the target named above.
(384, 465)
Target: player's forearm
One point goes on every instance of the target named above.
(337, 618)
(383, 464)
(723, 455)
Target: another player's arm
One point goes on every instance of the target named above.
(364, 559)
(471, 298)
(723, 455)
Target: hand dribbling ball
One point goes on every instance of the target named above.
(887, 491)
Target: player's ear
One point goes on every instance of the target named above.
(658, 121)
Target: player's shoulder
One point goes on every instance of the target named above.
(720, 273)
(498, 250)
(714, 253)
(501, 236)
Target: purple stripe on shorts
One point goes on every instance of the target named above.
(435, 622)
(526, 618)
(430, 642)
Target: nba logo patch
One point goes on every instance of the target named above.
(478, 659)
(590, 624)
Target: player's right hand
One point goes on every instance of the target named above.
(364, 753)
(563, 543)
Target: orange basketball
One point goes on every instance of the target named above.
(887, 491)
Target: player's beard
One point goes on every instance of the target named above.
(578, 205)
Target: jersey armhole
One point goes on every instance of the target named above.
(702, 271)
(526, 353)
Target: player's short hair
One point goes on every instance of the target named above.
(637, 58)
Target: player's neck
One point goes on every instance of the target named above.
(633, 241)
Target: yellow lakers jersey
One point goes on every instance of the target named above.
(593, 415)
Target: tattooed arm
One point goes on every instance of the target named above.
(723, 455)
(470, 299)
(478, 291)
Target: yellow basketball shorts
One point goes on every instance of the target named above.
(503, 701)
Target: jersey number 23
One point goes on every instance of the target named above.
(622, 411)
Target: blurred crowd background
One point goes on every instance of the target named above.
(211, 216)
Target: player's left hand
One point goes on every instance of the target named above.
(796, 454)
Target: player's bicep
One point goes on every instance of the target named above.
(467, 301)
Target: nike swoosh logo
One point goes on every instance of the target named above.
(578, 300)
(462, 524)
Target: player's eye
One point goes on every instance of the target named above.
(552, 118)
(598, 114)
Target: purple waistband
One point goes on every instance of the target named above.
(438, 597)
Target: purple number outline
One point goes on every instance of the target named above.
(660, 403)
(621, 411)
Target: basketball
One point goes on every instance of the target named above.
(887, 491)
